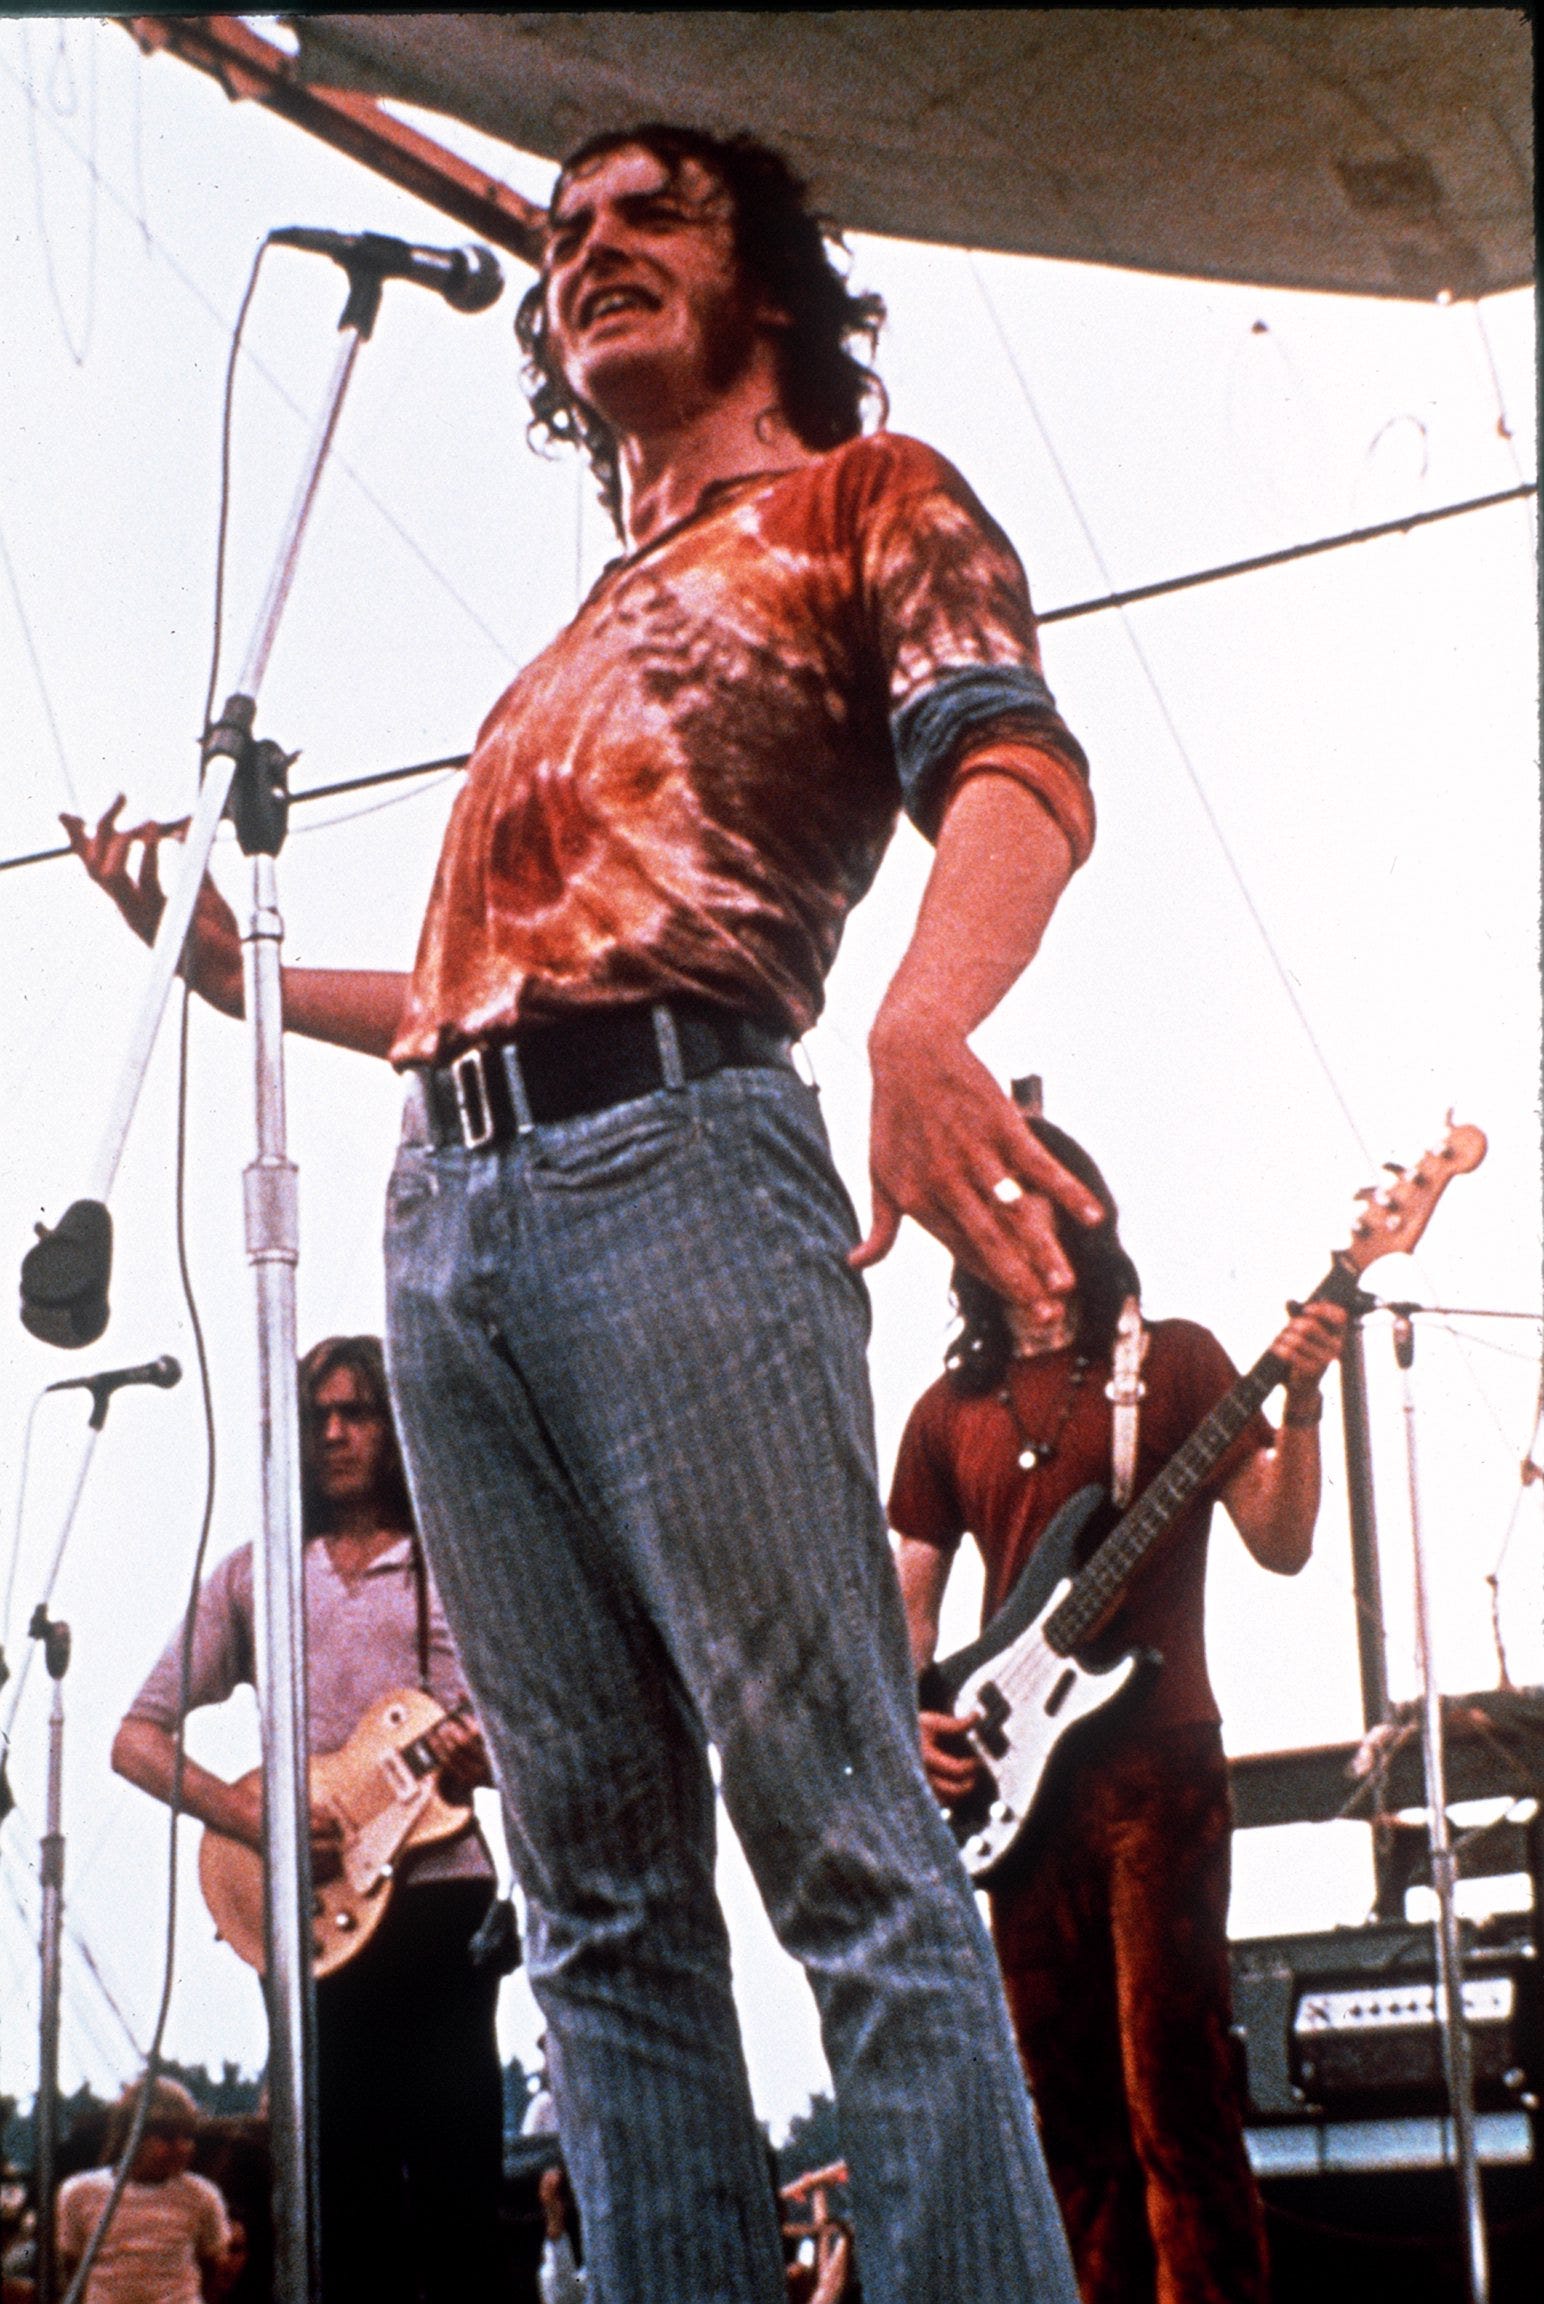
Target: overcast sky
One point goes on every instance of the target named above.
(1309, 926)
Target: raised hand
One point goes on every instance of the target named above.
(212, 956)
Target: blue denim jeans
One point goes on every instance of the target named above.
(628, 1358)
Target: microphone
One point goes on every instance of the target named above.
(163, 1373)
(469, 279)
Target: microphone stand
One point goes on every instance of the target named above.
(55, 1640)
(1457, 2056)
(64, 1286)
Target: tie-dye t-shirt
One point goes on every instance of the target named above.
(689, 789)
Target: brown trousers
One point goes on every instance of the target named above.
(1113, 1943)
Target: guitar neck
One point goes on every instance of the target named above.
(1100, 1585)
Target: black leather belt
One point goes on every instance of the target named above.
(492, 1092)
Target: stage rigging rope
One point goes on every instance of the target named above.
(1122, 602)
(36, 662)
(1181, 749)
(451, 762)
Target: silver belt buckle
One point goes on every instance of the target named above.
(468, 1073)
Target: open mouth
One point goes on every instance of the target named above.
(607, 303)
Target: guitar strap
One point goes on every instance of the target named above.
(1126, 1391)
(421, 1607)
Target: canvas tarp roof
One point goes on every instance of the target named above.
(1379, 151)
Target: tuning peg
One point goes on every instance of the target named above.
(1394, 1167)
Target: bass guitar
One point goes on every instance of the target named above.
(383, 1788)
(1022, 1678)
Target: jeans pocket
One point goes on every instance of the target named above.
(412, 1185)
(620, 1150)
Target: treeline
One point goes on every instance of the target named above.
(229, 2094)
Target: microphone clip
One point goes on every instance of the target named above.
(259, 796)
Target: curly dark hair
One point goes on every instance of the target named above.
(978, 1355)
(783, 248)
(366, 1361)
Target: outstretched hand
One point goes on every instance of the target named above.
(949, 1148)
(212, 956)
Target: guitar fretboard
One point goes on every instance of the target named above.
(1100, 1584)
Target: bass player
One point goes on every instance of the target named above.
(1111, 1917)
(409, 2090)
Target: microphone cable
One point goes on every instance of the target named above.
(153, 2055)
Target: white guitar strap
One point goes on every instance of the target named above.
(1125, 1391)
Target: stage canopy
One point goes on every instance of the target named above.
(1377, 151)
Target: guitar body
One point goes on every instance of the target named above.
(383, 1788)
(1028, 1694)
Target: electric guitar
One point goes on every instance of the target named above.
(1022, 1677)
(383, 1787)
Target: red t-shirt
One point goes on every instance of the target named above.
(689, 789)
(958, 1472)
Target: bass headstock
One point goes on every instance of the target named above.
(1394, 1215)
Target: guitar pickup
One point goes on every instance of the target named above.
(994, 1708)
(401, 1781)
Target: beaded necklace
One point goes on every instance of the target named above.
(1032, 1452)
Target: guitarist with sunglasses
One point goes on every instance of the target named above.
(409, 2091)
(1110, 1915)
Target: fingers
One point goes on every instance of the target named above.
(1313, 1338)
(884, 1226)
(951, 1767)
(1011, 1244)
(1036, 1166)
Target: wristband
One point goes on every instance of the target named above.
(1304, 1419)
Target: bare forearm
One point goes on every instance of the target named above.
(1273, 1500)
(923, 1571)
(999, 868)
(147, 1756)
(1273, 1497)
(358, 1008)
(945, 1144)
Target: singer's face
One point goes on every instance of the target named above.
(646, 311)
(348, 1437)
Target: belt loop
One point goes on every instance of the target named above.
(668, 1042)
(514, 1078)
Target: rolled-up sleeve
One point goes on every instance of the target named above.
(951, 616)
(1001, 720)
(222, 1658)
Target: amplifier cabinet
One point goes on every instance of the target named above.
(1347, 2023)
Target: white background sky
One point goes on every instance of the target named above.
(1363, 728)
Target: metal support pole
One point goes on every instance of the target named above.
(56, 1649)
(1457, 2056)
(272, 1232)
(1366, 1584)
